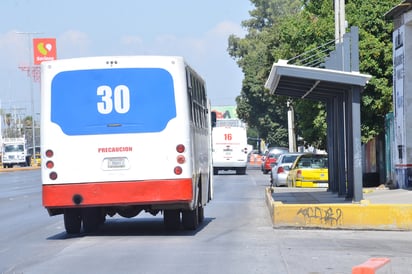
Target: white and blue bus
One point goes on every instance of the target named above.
(122, 135)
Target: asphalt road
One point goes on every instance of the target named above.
(236, 237)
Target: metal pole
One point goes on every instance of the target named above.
(29, 36)
(340, 20)
(291, 127)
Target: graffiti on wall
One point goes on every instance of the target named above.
(318, 215)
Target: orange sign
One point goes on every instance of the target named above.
(44, 49)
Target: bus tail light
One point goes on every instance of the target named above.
(49, 153)
(181, 159)
(180, 148)
(49, 164)
(53, 175)
(178, 170)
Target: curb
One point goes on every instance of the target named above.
(362, 216)
(13, 169)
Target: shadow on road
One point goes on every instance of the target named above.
(134, 227)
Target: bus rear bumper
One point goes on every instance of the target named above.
(229, 165)
(117, 193)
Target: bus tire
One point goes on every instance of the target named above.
(91, 219)
(72, 220)
(201, 214)
(171, 219)
(190, 219)
(241, 170)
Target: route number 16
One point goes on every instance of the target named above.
(119, 99)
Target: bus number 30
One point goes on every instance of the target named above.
(119, 99)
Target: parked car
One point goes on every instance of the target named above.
(309, 170)
(281, 168)
(271, 157)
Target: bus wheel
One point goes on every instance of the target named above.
(72, 220)
(241, 170)
(190, 219)
(201, 213)
(91, 219)
(171, 219)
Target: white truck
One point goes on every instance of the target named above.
(230, 147)
(13, 152)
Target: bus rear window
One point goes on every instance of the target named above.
(112, 101)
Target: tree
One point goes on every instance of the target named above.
(375, 59)
(252, 53)
(276, 31)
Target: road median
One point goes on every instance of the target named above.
(365, 215)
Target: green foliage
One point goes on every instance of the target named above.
(310, 122)
(375, 59)
(260, 110)
(283, 29)
(268, 12)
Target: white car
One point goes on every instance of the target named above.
(281, 168)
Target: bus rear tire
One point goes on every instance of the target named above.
(171, 219)
(91, 219)
(201, 214)
(72, 220)
(190, 219)
(215, 171)
(241, 170)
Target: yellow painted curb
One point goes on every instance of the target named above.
(340, 216)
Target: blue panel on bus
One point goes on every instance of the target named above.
(112, 101)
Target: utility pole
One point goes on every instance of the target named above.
(340, 21)
(291, 127)
(31, 73)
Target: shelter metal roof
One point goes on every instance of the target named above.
(399, 9)
(311, 83)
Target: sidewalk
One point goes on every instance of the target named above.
(380, 209)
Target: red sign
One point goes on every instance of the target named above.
(44, 49)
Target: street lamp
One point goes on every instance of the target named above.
(30, 69)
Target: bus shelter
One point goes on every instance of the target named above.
(341, 92)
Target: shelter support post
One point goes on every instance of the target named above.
(354, 152)
(340, 129)
(336, 145)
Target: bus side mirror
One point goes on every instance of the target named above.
(213, 119)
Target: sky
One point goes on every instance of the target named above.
(196, 30)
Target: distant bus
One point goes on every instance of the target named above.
(121, 135)
(230, 147)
